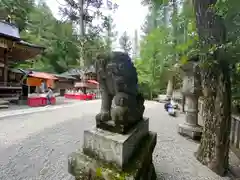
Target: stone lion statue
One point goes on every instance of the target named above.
(122, 103)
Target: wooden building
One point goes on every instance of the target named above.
(90, 73)
(64, 82)
(88, 81)
(74, 72)
(83, 77)
(12, 50)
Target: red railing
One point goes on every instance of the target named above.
(80, 96)
(39, 101)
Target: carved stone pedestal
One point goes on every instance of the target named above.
(108, 156)
(194, 132)
(191, 91)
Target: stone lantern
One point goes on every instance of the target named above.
(169, 92)
(191, 90)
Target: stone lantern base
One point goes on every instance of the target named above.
(192, 131)
(112, 156)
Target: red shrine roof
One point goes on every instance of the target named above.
(92, 81)
(43, 75)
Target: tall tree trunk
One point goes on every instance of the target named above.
(214, 148)
(81, 19)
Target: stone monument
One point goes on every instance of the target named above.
(170, 87)
(121, 145)
(191, 90)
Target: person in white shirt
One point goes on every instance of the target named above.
(42, 87)
(49, 95)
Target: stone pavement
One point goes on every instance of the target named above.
(35, 146)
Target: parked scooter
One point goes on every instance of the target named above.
(171, 107)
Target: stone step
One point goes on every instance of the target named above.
(4, 104)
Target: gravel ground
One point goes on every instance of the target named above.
(35, 146)
(59, 101)
(14, 110)
(173, 155)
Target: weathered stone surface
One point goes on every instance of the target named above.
(118, 83)
(115, 128)
(140, 166)
(191, 79)
(191, 110)
(112, 147)
(192, 131)
(191, 91)
(169, 93)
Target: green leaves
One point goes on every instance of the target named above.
(17, 10)
(170, 38)
(58, 38)
(63, 46)
(156, 59)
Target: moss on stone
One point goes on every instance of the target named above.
(135, 169)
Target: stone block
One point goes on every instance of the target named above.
(113, 147)
(194, 132)
(140, 166)
(116, 128)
